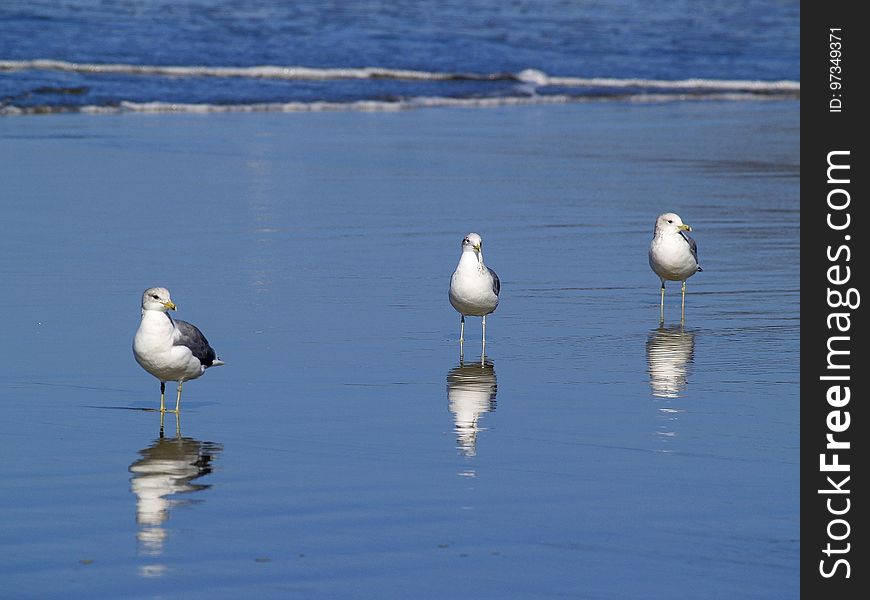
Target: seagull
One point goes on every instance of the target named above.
(170, 349)
(673, 254)
(474, 287)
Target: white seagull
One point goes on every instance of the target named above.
(170, 349)
(673, 254)
(474, 287)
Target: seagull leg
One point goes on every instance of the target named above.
(683, 309)
(461, 329)
(162, 397)
(178, 400)
(483, 342)
(662, 310)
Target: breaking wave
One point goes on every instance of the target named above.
(529, 86)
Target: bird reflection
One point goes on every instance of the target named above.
(167, 467)
(471, 389)
(669, 353)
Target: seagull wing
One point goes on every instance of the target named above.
(692, 246)
(190, 336)
(496, 284)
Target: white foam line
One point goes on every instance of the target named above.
(261, 72)
(540, 78)
(323, 106)
(370, 105)
(688, 84)
(530, 76)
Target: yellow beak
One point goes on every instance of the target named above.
(685, 227)
(170, 305)
(477, 247)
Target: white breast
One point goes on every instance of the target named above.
(671, 258)
(153, 349)
(471, 290)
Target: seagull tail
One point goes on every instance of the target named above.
(217, 362)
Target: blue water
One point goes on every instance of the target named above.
(461, 51)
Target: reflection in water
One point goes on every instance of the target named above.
(471, 389)
(166, 468)
(669, 353)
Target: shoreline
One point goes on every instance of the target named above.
(400, 105)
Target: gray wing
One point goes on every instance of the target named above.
(496, 284)
(192, 337)
(692, 246)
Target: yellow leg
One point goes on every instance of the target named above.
(177, 400)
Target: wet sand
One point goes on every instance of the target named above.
(344, 450)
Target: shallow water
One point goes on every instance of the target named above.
(344, 450)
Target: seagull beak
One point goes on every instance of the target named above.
(477, 247)
(685, 227)
(169, 304)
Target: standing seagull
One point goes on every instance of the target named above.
(474, 287)
(170, 349)
(673, 255)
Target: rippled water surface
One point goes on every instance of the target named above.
(345, 450)
(269, 55)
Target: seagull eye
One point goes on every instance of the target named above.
(670, 220)
(154, 296)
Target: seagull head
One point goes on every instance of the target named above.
(472, 242)
(157, 298)
(671, 223)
